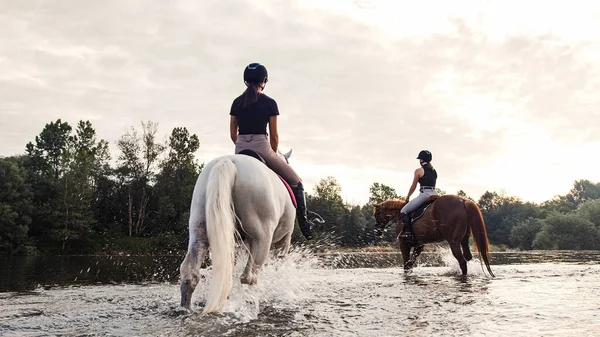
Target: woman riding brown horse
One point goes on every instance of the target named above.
(449, 218)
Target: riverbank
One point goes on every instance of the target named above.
(176, 245)
(394, 248)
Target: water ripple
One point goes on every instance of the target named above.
(303, 295)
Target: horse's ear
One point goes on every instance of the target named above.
(288, 154)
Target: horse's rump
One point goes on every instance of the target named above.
(257, 156)
(435, 216)
(233, 190)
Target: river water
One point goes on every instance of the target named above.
(550, 293)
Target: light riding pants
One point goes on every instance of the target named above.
(260, 143)
(418, 201)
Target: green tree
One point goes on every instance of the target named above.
(380, 193)
(46, 163)
(590, 210)
(501, 213)
(176, 180)
(489, 201)
(63, 170)
(50, 153)
(87, 163)
(559, 203)
(327, 201)
(15, 209)
(352, 227)
(583, 190)
(329, 190)
(464, 195)
(524, 233)
(136, 169)
(567, 231)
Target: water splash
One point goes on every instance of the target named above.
(282, 282)
(296, 296)
(442, 255)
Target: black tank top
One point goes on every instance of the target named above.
(429, 178)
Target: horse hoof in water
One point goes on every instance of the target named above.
(249, 280)
(187, 289)
(180, 311)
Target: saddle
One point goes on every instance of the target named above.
(258, 157)
(418, 213)
(254, 154)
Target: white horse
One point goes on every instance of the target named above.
(234, 193)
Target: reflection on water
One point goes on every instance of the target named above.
(434, 259)
(534, 293)
(28, 273)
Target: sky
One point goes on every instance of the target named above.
(503, 93)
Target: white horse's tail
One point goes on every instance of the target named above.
(220, 225)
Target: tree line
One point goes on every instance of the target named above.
(67, 195)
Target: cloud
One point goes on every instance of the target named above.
(359, 91)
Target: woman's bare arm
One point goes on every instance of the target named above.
(233, 128)
(418, 174)
(273, 133)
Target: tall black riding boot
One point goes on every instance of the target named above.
(407, 233)
(305, 225)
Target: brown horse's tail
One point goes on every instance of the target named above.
(479, 233)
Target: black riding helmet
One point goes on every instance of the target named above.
(255, 73)
(424, 155)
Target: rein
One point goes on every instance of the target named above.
(387, 223)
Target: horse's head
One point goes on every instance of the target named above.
(285, 156)
(385, 212)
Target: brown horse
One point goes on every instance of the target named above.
(449, 218)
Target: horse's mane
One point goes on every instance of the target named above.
(392, 204)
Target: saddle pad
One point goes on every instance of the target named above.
(421, 210)
(257, 156)
(289, 188)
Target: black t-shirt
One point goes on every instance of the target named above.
(429, 178)
(254, 118)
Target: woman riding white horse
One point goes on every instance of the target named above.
(238, 193)
(234, 193)
(250, 114)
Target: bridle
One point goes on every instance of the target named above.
(378, 215)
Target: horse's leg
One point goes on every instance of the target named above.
(259, 250)
(415, 254)
(465, 247)
(455, 247)
(283, 246)
(190, 267)
(405, 249)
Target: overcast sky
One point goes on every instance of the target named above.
(506, 94)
